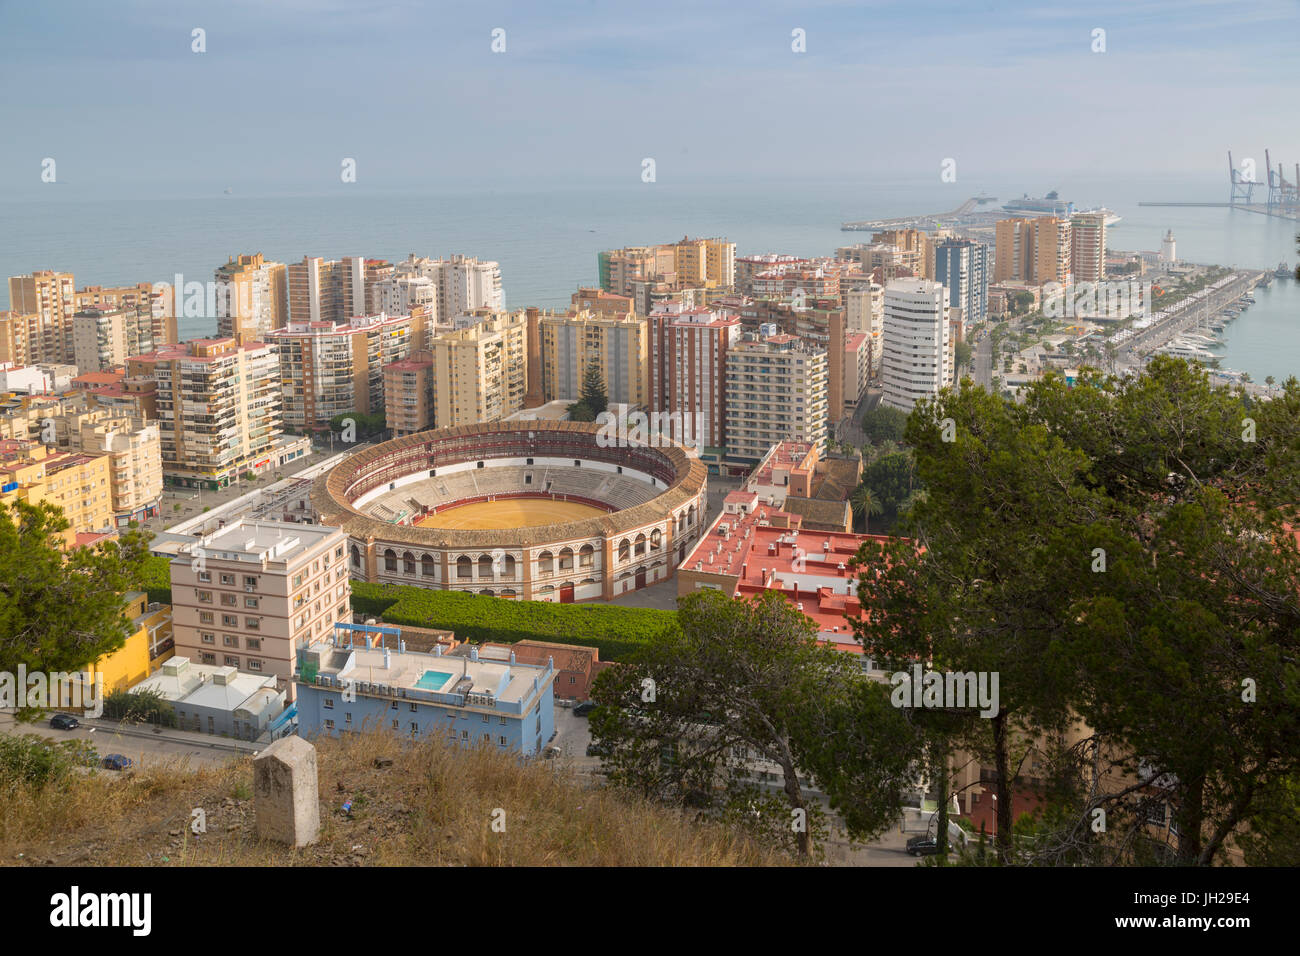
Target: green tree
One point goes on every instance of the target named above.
(739, 681)
(593, 393)
(1092, 544)
(892, 477)
(976, 589)
(60, 607)
(580, 412)
(1199, 596)
(883, 423)
(865, 503)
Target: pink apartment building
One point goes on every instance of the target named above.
(253, 593)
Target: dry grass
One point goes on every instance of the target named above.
(431, 806)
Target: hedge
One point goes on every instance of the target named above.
(615, 631)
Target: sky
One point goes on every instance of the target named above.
(286, 91)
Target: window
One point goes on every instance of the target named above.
(253, 643)
(229, 600)
(250, 602)
(415, 729)
(227, 579)
(232, 661)
(205, 597)
(254, 665)
(464, 735)
(208, 638)
(253, 623)
(485, 718)
(327, 703)
(413, 708)
(297, 580)
(205, 617)
(397, 724)
(250, 581)
(394, 707)
(347, 717)
(229, 620)
(573, 679)
(205, 576)
(329, 725)
(502, 740)
(229, 640)
(207, 659)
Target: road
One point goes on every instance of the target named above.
(177, 748)
(983, 361)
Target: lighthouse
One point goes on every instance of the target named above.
(1168, 254)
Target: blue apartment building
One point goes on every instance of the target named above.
(962, 267)
(356, 682)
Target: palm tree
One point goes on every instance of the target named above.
(864, 502)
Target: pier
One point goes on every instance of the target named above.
(1187, 316)
(905, 222)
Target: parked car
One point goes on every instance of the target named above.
(585, 708)
(597, 750)
(64, 722)
(924, 846)
(116, 762)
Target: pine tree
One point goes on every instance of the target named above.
(593, 391)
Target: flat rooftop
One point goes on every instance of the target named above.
(748, 547)
(785, 455)
(504, 682)
(259, 541)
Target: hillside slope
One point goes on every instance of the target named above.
(412, 804)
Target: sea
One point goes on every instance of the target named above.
(546, 236)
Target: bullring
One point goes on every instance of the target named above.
(645, 508)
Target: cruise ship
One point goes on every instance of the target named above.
(1049, 205)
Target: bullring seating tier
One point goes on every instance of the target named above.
(617, 491)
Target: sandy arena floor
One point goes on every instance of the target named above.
(510, 513)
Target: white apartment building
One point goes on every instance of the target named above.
(917, 345)
(254, 593)
(464, 283)
(398, 295)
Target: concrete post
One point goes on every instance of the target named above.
(286, 799)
